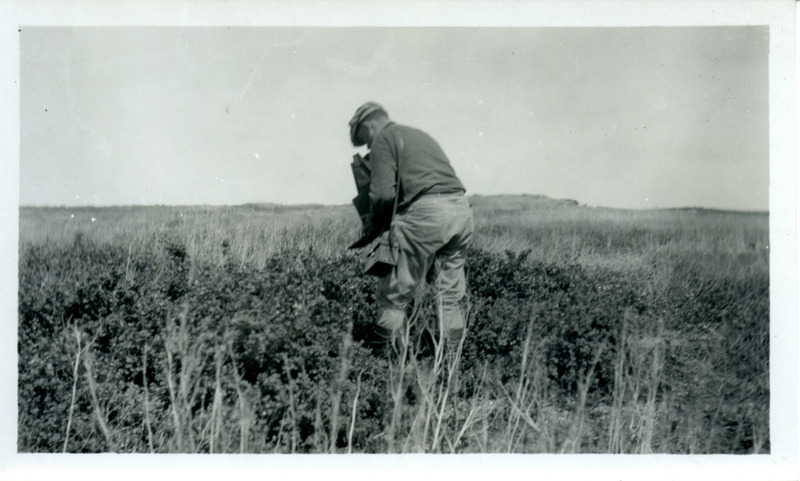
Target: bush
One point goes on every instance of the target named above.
(242, 358)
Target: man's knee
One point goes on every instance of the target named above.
(391, 318)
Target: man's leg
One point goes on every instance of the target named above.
(416, 235)
(450, 285)
(431, 229)
(396, 290)
(448, 277)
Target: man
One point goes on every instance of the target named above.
(432, 227)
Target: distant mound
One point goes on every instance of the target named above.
(519, 201)
(707, 210)
(270, 207)
(501, 202)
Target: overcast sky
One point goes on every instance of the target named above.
(616, 117)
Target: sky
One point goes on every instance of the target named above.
(623, 117)
(194, 115)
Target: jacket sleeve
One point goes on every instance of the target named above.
(383, 180)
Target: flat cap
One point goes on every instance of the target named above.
(362, 113)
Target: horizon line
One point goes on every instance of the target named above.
(322, 205)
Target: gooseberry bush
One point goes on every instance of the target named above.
(165, 351)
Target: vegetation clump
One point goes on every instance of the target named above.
(182, 337)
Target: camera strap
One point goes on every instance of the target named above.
(400, 148)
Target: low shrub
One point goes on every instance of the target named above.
(165, 352)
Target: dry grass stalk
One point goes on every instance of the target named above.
(74, 385)
(187, 376)
(517, 413)
(656, 366)
(573, 442)
(98, 412)
(353, 414)
(344, 371)
(615, 424)
(397, 386)
(474, 415)
(176, 416)
(292, 409)
(146, 400)
(245, 410)
(216, 406)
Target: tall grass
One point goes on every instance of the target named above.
(250, 235)
(696, 314)
(550, 231)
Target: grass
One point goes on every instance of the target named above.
(614, 239)
(243, 329)
(251, 233)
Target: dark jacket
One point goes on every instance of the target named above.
(423, 169)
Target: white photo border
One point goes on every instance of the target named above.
(779, 15)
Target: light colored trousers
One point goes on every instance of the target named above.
(432, 236)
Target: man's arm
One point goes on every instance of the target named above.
(383, 180)
(362, 173)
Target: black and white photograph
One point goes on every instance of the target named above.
(400, 238)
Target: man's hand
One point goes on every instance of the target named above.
(368, 228)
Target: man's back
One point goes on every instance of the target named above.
(423, 166)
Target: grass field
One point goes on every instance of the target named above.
(244, 329)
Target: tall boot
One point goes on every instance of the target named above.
(454, 338)
(386, 328)
(453, 357)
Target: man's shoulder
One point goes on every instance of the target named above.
(392, 131)
(408, 128)
(392, 134)
(412, 133)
